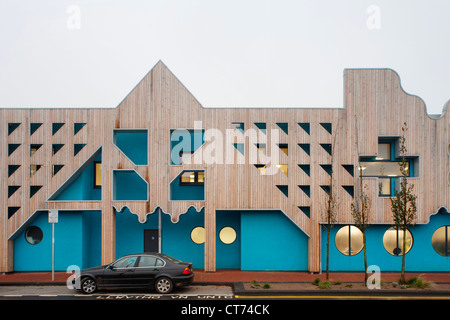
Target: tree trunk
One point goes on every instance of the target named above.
(328, 252)
(365, 258)
(403, 257)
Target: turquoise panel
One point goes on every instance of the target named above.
(130, 232)
(186, 192)
(82, 188)
(128, 185)
(134, 144)
(271, 241)
(77, 242)
(92, 238)
(228, 256)
(422, 257)
(176, 237)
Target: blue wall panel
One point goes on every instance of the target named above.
(82, 188)
(270, 241)
(228, 256)
(134, 144)
(128, 185)
(186, 192)
(130, 232)
(77, 242)
(422, 257)
(176, 237)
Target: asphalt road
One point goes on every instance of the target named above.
(208, 292)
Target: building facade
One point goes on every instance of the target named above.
(224, 188)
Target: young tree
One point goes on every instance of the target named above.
(330, 217)
(403, 204)
(330, 212)
(360, 208)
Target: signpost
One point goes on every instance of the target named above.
(53, 218)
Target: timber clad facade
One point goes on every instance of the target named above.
(109, 171)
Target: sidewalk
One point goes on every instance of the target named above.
(231, 276)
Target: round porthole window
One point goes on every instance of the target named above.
(33, 235)
(441, 241)
(393, 241)
(349, 240)
(198, 235)
(227, 235)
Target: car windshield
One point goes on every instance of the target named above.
(171, 259)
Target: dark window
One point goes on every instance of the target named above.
(150, 261)
(33, 235)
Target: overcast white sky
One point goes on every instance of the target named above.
(233, 53)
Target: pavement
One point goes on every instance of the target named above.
(232, 276)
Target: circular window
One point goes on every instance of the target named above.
(198, 235)
(349, 240)
(33, 235)
(441, 241)
(393, 241)
(227, 235)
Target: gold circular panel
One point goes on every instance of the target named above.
(227, 235)
(198, 235)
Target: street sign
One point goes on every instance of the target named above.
(53, 216)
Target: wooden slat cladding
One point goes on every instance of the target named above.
(375, 106)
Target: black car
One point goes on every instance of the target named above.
(143, 270)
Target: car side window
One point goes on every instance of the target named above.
(148, 261)
(125, 262)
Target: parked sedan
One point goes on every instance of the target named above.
(144, 270)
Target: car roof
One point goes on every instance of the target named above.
(143, 254)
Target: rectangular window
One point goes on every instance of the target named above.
(192, 178)
(382, 169)
(384, 186)
(97, 174)
(384, 151)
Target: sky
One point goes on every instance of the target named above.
(246, 53)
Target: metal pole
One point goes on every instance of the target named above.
(159, 230)
(53, 251)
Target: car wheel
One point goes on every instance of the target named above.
(88, 285)
(163, 285)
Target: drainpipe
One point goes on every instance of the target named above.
(159, 230)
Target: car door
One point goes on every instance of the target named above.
(120, 273)
(147, 269)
